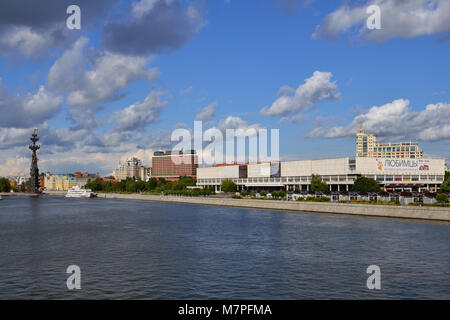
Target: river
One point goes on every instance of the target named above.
(151, 250)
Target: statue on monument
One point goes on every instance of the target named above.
(34, 170)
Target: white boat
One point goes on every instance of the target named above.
(77, 192)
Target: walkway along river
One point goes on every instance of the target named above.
(409, 212)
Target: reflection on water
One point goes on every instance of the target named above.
(151, 250)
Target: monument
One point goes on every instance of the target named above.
(34, 170)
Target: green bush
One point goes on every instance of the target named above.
(235, 196)
(315, 199)
(280, 194)
(442, 198)
(317, 184)
(445, 186)
(363, 184)
(228, 186)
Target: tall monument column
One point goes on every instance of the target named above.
(34, 170)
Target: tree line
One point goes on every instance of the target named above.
(153, 185)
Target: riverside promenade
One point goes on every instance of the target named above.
(406, 212)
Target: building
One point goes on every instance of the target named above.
(132, 168)
(63, 182)
(338, 173)
(171, 165)
(367, 146)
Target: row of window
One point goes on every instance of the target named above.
(328, 179)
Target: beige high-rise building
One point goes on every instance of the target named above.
(132, 168)
(367, 146)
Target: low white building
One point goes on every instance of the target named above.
(338, 173)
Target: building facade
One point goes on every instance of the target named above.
(367, 146)
(62, 182)
(171, 165)
(132, 168)
(392, 174)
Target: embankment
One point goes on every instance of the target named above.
(412, 212)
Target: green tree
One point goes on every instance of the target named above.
(228, 186)
(151, 184)
(95, 185)
(363, 184)
(445, 186)
(317, 184)
(187, 181)
(441, 197)
(4, 185)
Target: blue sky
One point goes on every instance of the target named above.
(121, 84)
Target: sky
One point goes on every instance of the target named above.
(137, 70)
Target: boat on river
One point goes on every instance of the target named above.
(77, 192)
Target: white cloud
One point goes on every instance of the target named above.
(25, 40)
(241, 126)
(15, 166)
(29, 110)
(145, 155)
(137, 116)
(315, 89)
(207, 113)
(404, 19)
(108, 74)
(396, 120)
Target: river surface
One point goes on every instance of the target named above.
(150, 250)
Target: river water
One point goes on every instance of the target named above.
(150, 250)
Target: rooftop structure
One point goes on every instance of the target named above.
(367, 146)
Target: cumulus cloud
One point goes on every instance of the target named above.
(15, 166)
(13, 137)
(27, 41)
(28, 110)
(34, 27)
(139, 115)
(315, 89)
(106, 76)
(296, 118)
(167, 24)
(240, 126)
(159, 140)
(207, 113)
(85, 117)
(395, 120)
(399, 19)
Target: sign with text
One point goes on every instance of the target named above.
(400, 164)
